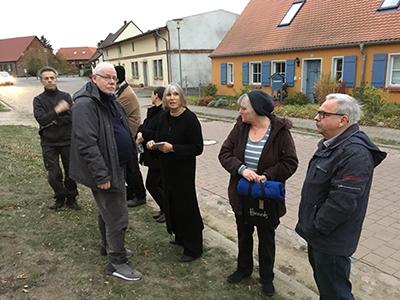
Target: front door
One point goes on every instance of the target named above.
(313, 71)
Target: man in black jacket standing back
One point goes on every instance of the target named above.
(335, 194)
(51, 110)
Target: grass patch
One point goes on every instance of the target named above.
(54, 255)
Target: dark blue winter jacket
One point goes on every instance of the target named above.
(335, 192)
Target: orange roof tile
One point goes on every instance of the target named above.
(77, 53)
(319, 23)
(12, 49)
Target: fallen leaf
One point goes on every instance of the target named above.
(22, 276)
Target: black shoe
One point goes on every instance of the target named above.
(268, 289)
(74, 206)
(58, 204)
(237, 277)
(136, 202)
(186, 258)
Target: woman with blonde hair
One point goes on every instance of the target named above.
(179, 132)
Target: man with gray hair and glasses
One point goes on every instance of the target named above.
(335, 194)
(102, 144)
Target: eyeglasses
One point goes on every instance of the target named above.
(322, 114)
(108, 78)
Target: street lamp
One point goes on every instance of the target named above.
(178, 26)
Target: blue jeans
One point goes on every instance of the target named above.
(331, 273)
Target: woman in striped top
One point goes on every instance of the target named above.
(259, 148)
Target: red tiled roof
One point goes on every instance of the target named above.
(319, 23)
(77, 53)
(11, 49)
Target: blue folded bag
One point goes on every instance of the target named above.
(272, 189)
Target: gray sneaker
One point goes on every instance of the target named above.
(124, 271)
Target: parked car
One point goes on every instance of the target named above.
(6, 78)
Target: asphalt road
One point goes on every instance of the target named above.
(25, 89)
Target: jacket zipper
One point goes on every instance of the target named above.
(349, 187)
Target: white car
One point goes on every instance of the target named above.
(6, 78)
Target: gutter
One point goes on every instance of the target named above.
(363, 63)
(378, 42)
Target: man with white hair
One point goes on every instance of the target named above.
(101, 145)
(335, 194)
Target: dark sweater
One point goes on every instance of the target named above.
(121, 135)
(54, 130)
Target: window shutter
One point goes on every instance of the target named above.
(223, 73)
(265, 72)
(245, 73)
(290, 72)
(349, 70)
(379, 70)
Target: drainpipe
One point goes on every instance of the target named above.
(166, 49)
(363, 64)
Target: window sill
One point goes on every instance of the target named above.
(392, 89)
(229, 85)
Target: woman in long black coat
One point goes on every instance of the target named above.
(180, 129)
(147, 132)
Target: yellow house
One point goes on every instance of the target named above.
(354, 41)
(178, 52)
(143, 55)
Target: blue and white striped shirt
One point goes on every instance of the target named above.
(253, 151)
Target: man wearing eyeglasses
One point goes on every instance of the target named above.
(101, 145)
(335, 194)
(52, 111)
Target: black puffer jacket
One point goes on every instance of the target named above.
(54, 130)
(335, 193)
(94, 154)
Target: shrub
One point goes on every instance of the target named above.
(296, 111)
(324, 86)
(371, 98)
(212, 103)
(192, 100)
(209, 90)
(246, 89)
(296, 99)
(221, 102)
(203, 101)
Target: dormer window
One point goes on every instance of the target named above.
(74, 52)
(291, 13)
(389, 5)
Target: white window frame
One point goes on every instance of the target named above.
(335, 71)
(389, 74)
(252, 66)
(230, 73)
(389, 4)
(157, 69)
(274, 68)
(291, 13)
(135, 69)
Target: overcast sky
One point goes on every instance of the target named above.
(76, 23)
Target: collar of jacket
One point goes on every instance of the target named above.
(341, 138)
(121, 88)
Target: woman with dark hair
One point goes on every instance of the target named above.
(179, 130)
(146, 132)
(259, 148)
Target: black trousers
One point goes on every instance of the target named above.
(51, 157)
(266, 249)
(155, 187)
(134, 180)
